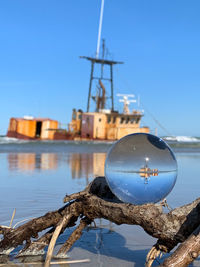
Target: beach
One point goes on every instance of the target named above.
(35, 177)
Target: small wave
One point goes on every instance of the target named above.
(187, 139)
(182, 139)
(11, 140)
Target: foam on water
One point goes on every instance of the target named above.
(37, 146)
(10, 140)
(187, 139)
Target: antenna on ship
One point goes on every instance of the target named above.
(100, 27)
(100, 98)
(126, 102)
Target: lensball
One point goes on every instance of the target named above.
(141, 168)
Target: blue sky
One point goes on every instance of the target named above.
(159, 41)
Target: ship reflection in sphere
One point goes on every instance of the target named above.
(141, 168)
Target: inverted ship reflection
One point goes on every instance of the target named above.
(146, 172)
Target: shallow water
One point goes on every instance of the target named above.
(35, 177)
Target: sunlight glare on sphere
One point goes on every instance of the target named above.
(141, 168)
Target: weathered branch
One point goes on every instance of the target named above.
(56, 233)
(186, 253)
(97, 201)
(73, 237)
(14, 237)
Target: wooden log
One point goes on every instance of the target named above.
(186, 253)
(97, 201)
(14, 237)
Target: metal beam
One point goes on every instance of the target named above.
(102, 61)
(90, 86)
(111, 81)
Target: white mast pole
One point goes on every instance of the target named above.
(100, 27)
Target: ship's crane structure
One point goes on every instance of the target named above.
(100, 96)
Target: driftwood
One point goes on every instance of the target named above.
(180, 225)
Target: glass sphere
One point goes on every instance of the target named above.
(140, 168)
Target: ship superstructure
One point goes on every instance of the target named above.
(105, 122)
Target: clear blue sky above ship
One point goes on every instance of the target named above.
(159, 41)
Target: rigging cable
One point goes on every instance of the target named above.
(156, 121)
(150, 114)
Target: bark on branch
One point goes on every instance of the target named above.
(97, 201)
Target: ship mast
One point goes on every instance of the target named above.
(102, 61)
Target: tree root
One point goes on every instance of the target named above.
(97, 201)
(156, 251)
(73, 237)
(56, 233)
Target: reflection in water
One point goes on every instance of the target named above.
(37, 182)
(32, 161)
(85, 165)
(82, 165)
